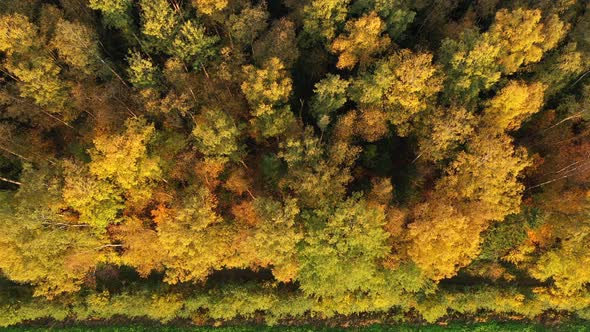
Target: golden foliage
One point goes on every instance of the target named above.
(522, 36)
(448, 128)
(142, 248)
(483, 180)
(210, 7)
(362, 40)
(372, 124)
(442, 240)
(513, 104)
(238, 182)
(245, 213)
(124, 159)
(402, 85)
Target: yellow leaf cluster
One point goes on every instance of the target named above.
(124, 159)
(513, 104)
(361, 41)
(210, 7)
(522, 36)
(442, 239)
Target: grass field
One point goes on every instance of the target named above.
(482, 327)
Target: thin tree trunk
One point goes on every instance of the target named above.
(10, 181)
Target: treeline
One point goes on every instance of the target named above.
(220, 159)
(263, 304)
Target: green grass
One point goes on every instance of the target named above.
(482, 327)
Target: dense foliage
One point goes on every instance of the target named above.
(273, 161)
(462, 327)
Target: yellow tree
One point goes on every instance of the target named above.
(476, 61)
(446, 129)
(76, 45)
(124, 160)
(277, 236)
(321, 18)
(158, 23)
(522, 37)
(37, 73)
(373, 124)
(402, 85)
(268, 90)
(362, 39)
(483, 182)
(479, 187)
(54, 259)
(41, 244)
(567, 264)
(441, 239)
(141, 246)
(193, 238)
(18, 34)
(210, 7)
(268, 237)
(513, 104)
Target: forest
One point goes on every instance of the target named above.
(283, 162)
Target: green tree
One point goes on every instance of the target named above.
(159, 23)
(248, 24)
(98, 202)
(342, 249)
(142, 71)
(329, 96)
(397, 14)
(39, 80)
(470, 64)
(216, 133)
(116, 12)
(193, 45)
(316, 173)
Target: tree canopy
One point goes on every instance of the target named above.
(347, 162)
